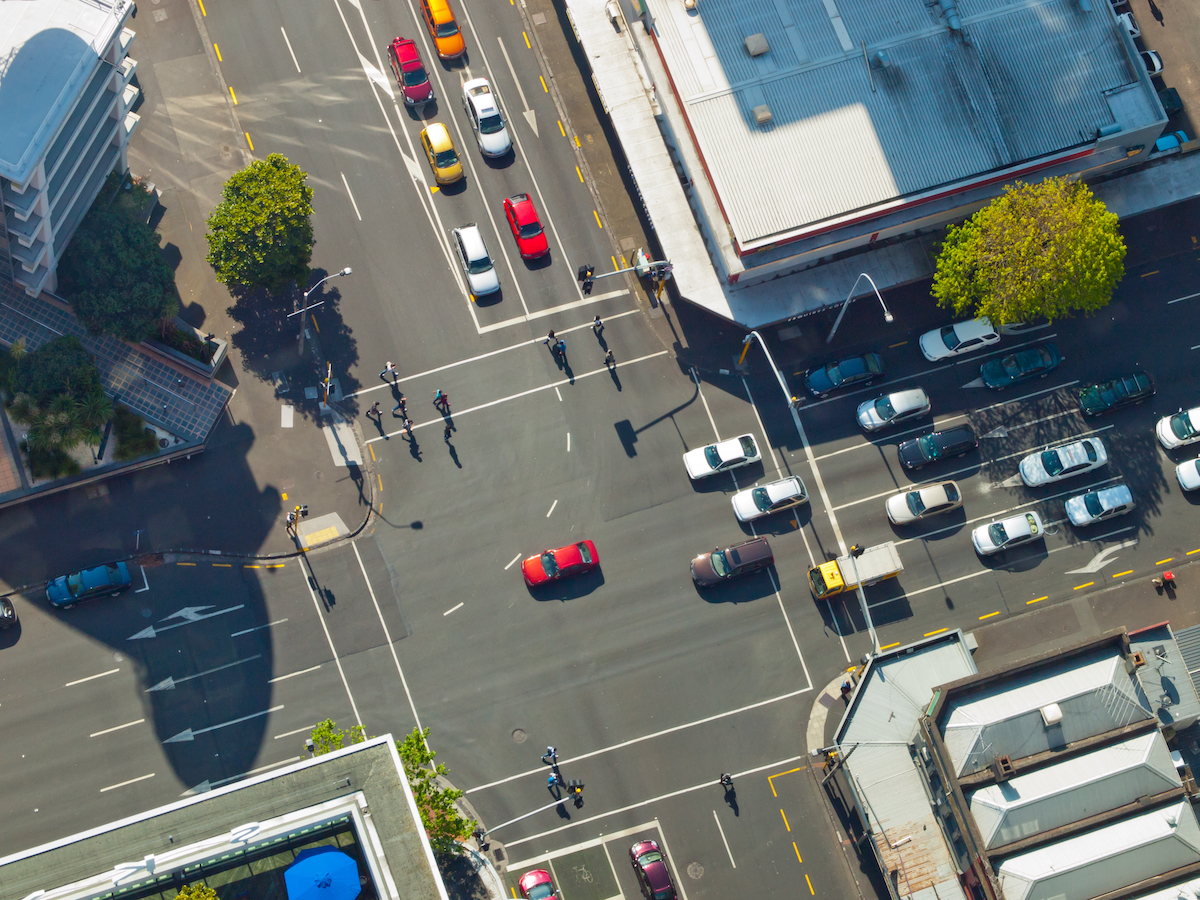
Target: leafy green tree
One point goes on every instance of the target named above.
(60, 366)
(1042, 250)
(327, 737)
(114, 275)
(196, 891)
(260, 234)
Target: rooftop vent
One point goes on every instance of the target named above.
(1138, 658)
(756, 44)
(1051, 714)
(1002, 768)
(880, 61)
(762, 114)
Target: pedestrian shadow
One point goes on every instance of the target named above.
(379, 424)
(731, 799)
(453, 454)
(601, 341)
(414, 448)
(566, 367)
(612, 373)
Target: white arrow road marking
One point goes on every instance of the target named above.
(168, 683)
(376, 76)
(978, 382)
(997, 432)
(189, 614)
(207, 785)
(1100, 560)
(188, 734)
(529, 114)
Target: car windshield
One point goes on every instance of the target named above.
(664, 894)
(446, 158)
(951, 492)
(1181, 424)
(415, 76)
(1092, 503)
(541, 891)
(883, 406)
(712, 457)
(584, 552)
(997, 534)
(75, 584)
(915, 503)
(1010, 365)
(928, 446)
(1052, 462)
(491, 124)
(651, 856)
(761, 499)
(549, 564)
(949, 338)
(817, 580)
(479, 266)
(531, 229)
(447, 29)
(1044, 357)
(719, 563)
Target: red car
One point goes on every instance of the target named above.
(410, 72)
(652, 871)
(551, 565)
(537, 885)
(526, 228)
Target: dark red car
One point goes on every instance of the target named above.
(653, 873)
(538, 885)
(526, 227)
(551, 565)
(410, 72)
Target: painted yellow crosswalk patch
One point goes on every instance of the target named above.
(320, 537)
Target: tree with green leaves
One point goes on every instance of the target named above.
(260, 234)
(1040, 251)
(114, 275)
(196, 891)
(444, 825)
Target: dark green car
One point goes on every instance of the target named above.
(1013, 368)
(1097, 399)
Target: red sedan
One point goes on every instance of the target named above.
(410, 72)
(650, 866)
(551, 565)
(537, 885)
(526, 227)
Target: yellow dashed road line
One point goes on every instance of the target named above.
(223, 565)
(184, 564)
(528, 46)
(890, 646)
(798, 858)
(202, 12)
(599, 224)
(989, 615)
(1122, 574)
(561, 129)
(250, 142)
(1078, 586)
(785, 822)
(1038, 600)
(233, 95)
(932, 633)
(1167, 560)
(218, 49)
(543, 81)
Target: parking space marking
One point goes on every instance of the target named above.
(113, 787)
(145, 584)
(296, 731)
(732, 861)
(514, 559)
(116, 728)
(90, 678)
(257, 628)
(551, 510)
(293, 674)
(1181, 299)
(453, 608)
(771, 782)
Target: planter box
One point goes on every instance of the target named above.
(205, 369)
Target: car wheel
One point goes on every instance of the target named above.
(66, 606)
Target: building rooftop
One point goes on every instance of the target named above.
(1169, 676)
(878, 102)
(47, 49)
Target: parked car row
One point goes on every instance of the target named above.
(649, 867)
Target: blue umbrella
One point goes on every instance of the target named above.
(322, 873)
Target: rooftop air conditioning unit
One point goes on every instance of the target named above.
(762, 114)
(1051, 714)
(756, 44)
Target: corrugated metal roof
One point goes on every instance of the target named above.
(1074, 789)
(1188, 890)
(1169, 676)
(1022, 80)
(1095, 693)
(1106, 859)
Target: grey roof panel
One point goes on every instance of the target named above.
(1167, 675)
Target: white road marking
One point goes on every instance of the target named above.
(350, 194)
(553, 310)
(732, 861)
(113, 787)
(552, 505)
(168, 683)
(329, 640)
(1102, 559)
(257, 628)
(529, 114)
(116, 728)
(605, 838)
(711, 420)
(568, 442)
(558, 394)
(290, 50)
(190, 615)
(1180, 300)
(206, 785)
(90, 678)
(293, 674)
(145, 584)
(517, 396)
(763, 430)
(514, 559)
(482, 356)
(188, 734)
(297, 731)
(452, 609)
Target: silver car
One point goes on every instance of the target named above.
(922, 502)
(476, 262)
(1048, 466)
(996, 536)
(483, 112)
(766, 499)
(892, 409)
(1100, 506)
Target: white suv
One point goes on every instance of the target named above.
(957, 339)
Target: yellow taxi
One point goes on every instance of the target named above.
(443, 158)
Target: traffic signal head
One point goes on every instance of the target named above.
(587, 286)
(585, 272)
(856, 550)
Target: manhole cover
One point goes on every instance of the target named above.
(519, 736)
(539, 19)
(695, 871)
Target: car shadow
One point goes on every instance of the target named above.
(540, 262)
(423, 112)
(10, 636)
(743, 589)
(1025, 558)
(569, 588)
(936, 528)
(500, 162)
(779, 523)
(746, 476)
(453, 190)
(489, 299)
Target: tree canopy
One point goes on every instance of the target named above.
(260, 234)
(196, 891)
(114, 275)
(60, 366)
(1040, 251)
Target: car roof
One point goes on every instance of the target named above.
(731, 448)
(787, 487)
(1076, 452)
(908, 399)
(406, 49)
(439, 136)
(937, 491)
(970, 328)
(753, 549)
(957, 433)
(1017, 525)
(472, 240)
(1114, 495)
(485, 102)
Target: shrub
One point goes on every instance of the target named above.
(133, 438)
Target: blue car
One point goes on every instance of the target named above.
(865, 369)
(67, 590)
(1013, 368)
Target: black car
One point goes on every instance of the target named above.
(8, 615)
(1013, 368)
(836, 376)
(938, 445)
(1096, 399)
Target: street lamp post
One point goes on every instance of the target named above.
(787, 393)
(304, 307)
(887, 316)
(855, 552)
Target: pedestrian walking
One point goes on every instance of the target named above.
(597, 326)
(561, 348)
(446, 434)
(389, 369)
(374, 412)
(609, 359)
(553, 781)
(408, 424)
(401, 407)
(726, 780)
(551, 755)
(442, 401)
(549, 337)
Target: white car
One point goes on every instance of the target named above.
(957, 339)
(1130, 24)
(483, 112)
(1179, 429)
(1049, 466)
(997, 536)
(891, 409)
(1188, 474)
(721, 456)
(922, 502)
(756, 502)
(476, 262)
(1100, 506)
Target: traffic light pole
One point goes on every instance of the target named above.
(656, 269)
(574, 793)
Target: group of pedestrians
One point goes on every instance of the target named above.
(558, 347)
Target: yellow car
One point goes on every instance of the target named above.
(443, 158)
